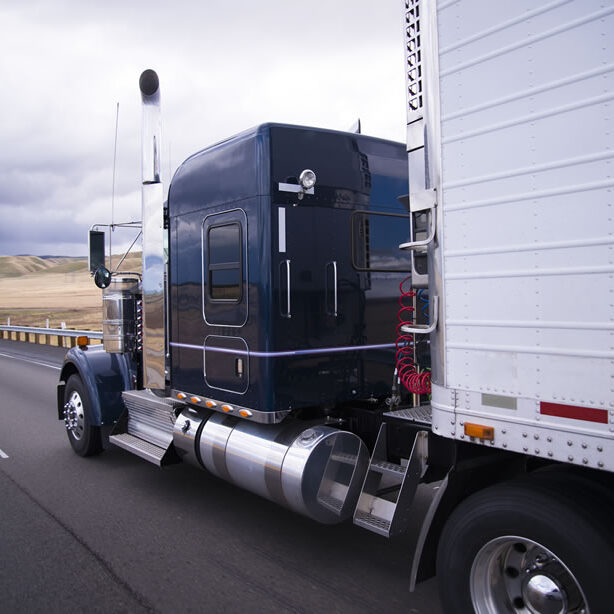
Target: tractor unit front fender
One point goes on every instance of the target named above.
(104, 375)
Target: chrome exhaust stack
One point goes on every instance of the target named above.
(154, 262)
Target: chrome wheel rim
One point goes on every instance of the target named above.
(517, 575)
(74, 415)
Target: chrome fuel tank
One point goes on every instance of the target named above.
(314, 470)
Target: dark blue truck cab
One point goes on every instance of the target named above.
(282, 298)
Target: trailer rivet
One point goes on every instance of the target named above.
(452, 422)
(570, 458)
(599, 448)
(584, 445)
(600, 464)
(504, 431)
(585, 461)
(548, 439)
(525, 449)
(536, 450)
(536, 436)
(570, 443)
(550, 453)
(462, 437)
(524, 435)
(505, 445)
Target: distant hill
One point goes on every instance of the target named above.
(16, 266)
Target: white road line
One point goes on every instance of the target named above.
(34, 362)
(3, 455)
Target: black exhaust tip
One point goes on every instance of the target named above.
(149, 82)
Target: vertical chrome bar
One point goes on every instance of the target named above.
(152, 194)
(335, 286)
(288, 312)
(335, 309)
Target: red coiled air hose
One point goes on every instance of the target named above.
(417, 383)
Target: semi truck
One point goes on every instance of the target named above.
(338, 322)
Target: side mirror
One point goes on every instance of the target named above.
(102, 277)
(96, 257)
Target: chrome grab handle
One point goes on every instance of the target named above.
(288, 312)
(424, 329)
(335, 284)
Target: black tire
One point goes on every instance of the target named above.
(499, 538)
(84, 437)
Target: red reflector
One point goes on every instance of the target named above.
(573, 411)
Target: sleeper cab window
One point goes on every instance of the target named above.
(224, 269)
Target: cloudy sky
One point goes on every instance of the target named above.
(224, 65)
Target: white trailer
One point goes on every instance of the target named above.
(509, 134)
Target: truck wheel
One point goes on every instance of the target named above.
(84, 437)
(526, 548)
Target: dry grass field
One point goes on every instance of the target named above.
(34, 289)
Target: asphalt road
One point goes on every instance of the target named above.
(114, 533)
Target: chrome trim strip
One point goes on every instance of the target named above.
(334, 350)
(288, 312)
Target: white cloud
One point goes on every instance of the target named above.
(223, 67)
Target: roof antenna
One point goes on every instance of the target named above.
(355, 127)
(113, 188)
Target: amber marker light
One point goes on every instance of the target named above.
(227, 408)
(194, 400)
(479, 431)
(82, 341)
(210, 403)
(245, 413)
(181, 396)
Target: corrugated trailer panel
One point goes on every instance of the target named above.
(526, 95)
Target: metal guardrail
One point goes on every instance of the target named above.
(59, 333)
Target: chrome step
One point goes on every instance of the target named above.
(344, 458)
(388, 468)
(422, 414)
(146, 427)
(389, 489)
(372, 523)
(149, 451)
(332, 503)
(150, 417)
